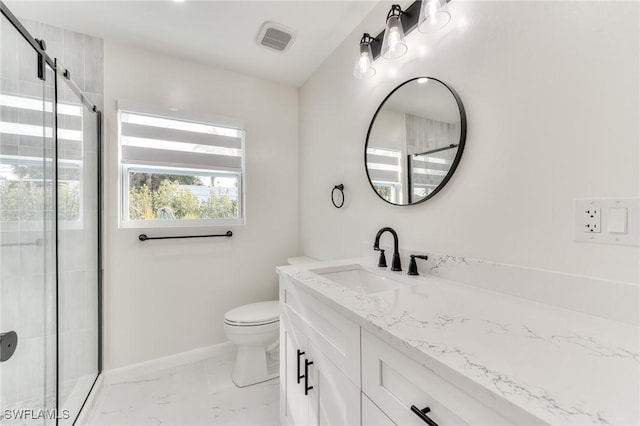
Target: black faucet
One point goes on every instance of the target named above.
(413, 267)
(395, 264)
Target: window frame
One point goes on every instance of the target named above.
(124, 169)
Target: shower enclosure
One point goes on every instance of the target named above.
(50, 220)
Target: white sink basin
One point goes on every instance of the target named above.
(359, 279)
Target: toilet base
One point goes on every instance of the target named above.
(253, 365)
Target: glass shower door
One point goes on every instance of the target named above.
(27, 235)
(77, 250)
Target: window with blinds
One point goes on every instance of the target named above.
(177, 171)
(385, 172)
(27, 158)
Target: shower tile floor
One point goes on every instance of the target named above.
(200, 393)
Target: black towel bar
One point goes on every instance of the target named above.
(144, 237)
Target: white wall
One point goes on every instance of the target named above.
(166, 297)
(552, 99)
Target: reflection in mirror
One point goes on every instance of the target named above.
(415, 141)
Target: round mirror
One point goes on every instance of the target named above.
(415, 141)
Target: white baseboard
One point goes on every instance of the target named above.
(153, 365)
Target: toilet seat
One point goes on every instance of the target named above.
(249, 324)
(254, 314)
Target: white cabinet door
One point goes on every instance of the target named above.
(313, 390)
(326, 328)
(372, 415)
(294, 404)
(335, 401)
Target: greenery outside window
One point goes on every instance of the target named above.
(177, 171)
(26, 163)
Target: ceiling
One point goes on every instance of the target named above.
(219, 33)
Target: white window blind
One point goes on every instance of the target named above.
(384, 165)
(179, 170)
(167, 142)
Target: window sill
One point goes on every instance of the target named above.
(178, 224)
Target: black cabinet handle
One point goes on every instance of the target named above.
(300, 353)
(307, 388)
(423, 415)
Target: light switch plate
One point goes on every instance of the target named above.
(616, 219)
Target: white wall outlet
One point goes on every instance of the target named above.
(607, 221)
(591, 220)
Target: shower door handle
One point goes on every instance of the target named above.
(8, 345)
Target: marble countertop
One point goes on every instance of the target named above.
(556, 365)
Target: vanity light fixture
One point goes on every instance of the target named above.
(434, 15)
(426, 15)
(393, 44)
(364, 64)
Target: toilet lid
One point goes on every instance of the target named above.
(254, 313)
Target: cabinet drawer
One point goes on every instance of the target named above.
(395, 382)
(326, 329)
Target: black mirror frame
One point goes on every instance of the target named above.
(456, 161)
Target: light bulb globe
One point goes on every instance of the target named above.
(393, 44)
(434, 16)
(363, 68)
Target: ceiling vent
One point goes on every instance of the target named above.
(275, 36)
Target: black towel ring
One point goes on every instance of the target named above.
(341, 189)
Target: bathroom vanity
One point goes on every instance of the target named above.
(364, 345)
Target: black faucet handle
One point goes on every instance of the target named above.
(382, 261)
(413, 267)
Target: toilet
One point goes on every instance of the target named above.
(255, 330)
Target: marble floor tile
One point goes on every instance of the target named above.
(200, 393)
